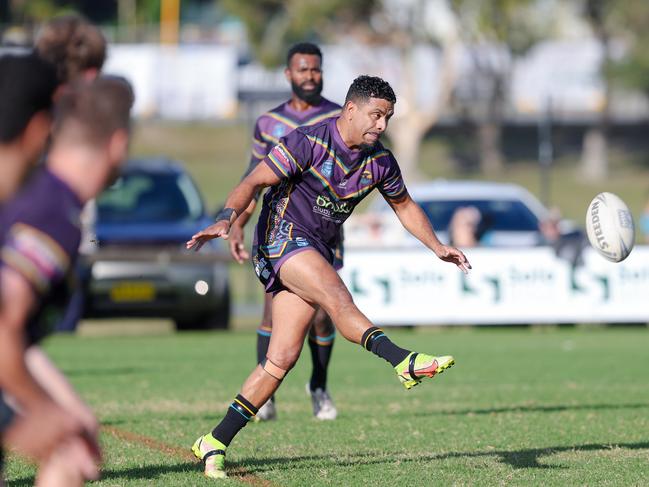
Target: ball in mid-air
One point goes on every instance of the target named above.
(609, 225)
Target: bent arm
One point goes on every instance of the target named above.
(413, 218)
(238, 200)
(244, 193)
(16, 302)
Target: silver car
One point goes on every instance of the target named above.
(510, 215)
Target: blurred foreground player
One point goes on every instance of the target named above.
(306, 107)
(41, 227)
(294, 240)
(27, 85)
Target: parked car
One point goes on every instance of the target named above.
(510, 215)
(138, 264)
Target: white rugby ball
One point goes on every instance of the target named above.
(609, 225)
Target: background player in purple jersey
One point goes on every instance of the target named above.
(317, 176)
(306, 107)
(90, 140)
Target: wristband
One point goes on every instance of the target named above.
(225, 214)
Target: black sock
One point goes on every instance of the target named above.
(376, 342)
(238, 415)
(321, 348)
(263, 340)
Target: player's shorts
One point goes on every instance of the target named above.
(268, 259)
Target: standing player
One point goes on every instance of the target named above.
(90, 141)
(306, 107)
(318, 175)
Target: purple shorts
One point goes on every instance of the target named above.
(268, 259)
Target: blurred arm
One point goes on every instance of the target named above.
(16, 302)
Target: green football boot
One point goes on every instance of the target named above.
(212, 453)
(416, 366)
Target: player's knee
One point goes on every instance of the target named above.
(278, 367)
(285, 360)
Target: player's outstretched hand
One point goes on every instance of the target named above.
(219, 229)
(454, 256)
(237, 246)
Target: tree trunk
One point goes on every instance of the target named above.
(406, 139)
(594, 155)
(489, 142)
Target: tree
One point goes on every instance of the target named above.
(492, 32)
(273, 25)
(594, 156)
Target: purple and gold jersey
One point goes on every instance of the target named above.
(40, 235)
(281, 121)
(322, 181)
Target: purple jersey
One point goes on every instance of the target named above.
(40, 232)
(281, 121)
(322, 181)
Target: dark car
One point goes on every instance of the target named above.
(137, 264)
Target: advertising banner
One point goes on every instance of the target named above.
(506, 286)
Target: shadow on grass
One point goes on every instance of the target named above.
(149, 472)
(534, 409)
(525, 458)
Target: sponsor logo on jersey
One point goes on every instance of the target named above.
(330, 209)
(279, 130)
(366, 177)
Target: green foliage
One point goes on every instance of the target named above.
(627, 21)
(273, 25)
(507, 22)
(36, 11)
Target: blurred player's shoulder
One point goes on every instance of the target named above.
(48, 204)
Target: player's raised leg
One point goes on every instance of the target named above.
(312, 278)
(291, 318)
(321, 340)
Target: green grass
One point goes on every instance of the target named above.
(539, 406)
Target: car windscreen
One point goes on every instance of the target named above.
(142, 197)
(497, 215)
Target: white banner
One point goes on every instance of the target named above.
(181, 83)
(506, 286)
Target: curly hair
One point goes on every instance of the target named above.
(303, 48)
(72, 44)
(365, 87)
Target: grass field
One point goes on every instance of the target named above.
(537, 406)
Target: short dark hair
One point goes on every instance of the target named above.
(27, 84)
(72, 44)
(365, 87)
(303, 48)
(94, 110)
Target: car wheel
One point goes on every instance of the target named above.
(218, 319)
